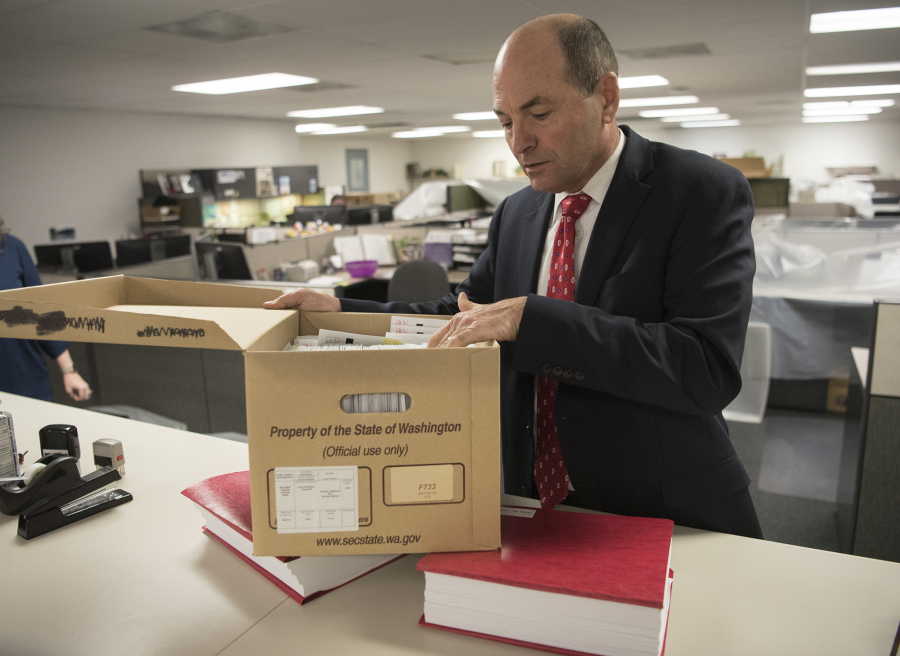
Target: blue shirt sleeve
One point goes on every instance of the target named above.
(25, 275)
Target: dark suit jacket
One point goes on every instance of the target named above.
(649, 353)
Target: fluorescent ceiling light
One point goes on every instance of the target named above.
(487, 134)
(475, 116)
(874, 90)
(418, 133)
(325, 112)
(851, 69)
(656, 102)
(709, 117)
(852, 21)
(686, 111)
(837, 104)
(415, 134)
(642, 81)
(345, 130)
(448, 129)
(248, 83)
(711, 124)
(841, 111)
(835, 119)
(313, 127)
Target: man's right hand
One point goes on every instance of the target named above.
(304, 299)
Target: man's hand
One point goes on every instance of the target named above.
(479, 323)
(305, 299)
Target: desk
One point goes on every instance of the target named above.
(342, 284)
(143, 579)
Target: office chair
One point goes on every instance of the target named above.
(417, 281)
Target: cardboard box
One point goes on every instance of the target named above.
(368, 199)
(160, 214)
(751, 167)
(426, 479)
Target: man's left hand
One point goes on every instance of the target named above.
(480, 323)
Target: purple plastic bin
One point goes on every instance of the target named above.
(361, 268)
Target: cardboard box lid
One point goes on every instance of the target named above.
(125, 310)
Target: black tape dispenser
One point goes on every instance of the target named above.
(53, 494)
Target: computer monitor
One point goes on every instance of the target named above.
(332, 214)
(140, 251)
(370, 214)
(177, 245)
(362, 215)
(223, 261)
(770, 193)
(133, 251)
(84, 256)
(462, 198)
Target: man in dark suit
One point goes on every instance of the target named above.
(639, 359)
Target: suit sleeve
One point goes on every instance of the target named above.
(688, 358)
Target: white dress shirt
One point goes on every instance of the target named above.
(596, 188)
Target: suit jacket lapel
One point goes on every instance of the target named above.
(620, 207)
(534, 225)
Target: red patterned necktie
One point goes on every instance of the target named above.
(550, 473)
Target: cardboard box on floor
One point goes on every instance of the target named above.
(426, 479)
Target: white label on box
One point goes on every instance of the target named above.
(316, 499)
(422, 484)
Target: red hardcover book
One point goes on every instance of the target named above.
(224, 502)
(562, 581)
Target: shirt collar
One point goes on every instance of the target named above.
(599, 183)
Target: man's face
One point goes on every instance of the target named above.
(559, 137)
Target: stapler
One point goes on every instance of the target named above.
(57, 495)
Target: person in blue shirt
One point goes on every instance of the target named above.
(22, 367)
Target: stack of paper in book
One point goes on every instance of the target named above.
(224, 502)
(563, 582)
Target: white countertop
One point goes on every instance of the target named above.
(143, 579)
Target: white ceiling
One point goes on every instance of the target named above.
(99, 54)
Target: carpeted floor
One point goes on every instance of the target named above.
(792, 459)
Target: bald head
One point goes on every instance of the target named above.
(587, 53)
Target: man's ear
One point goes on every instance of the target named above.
(607, 94)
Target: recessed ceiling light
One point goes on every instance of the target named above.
(313, 127)
(641, 81)
(710, 117)
(487, 134)
(851, 69)
(839, 111)
(475, 116)
(247, 83)
(656, 102)
(836, 104)
(711, 124)
(851, 21)
(684, 111)
(345, 130)
(835, 119)
(325, 112)
(874, 90)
